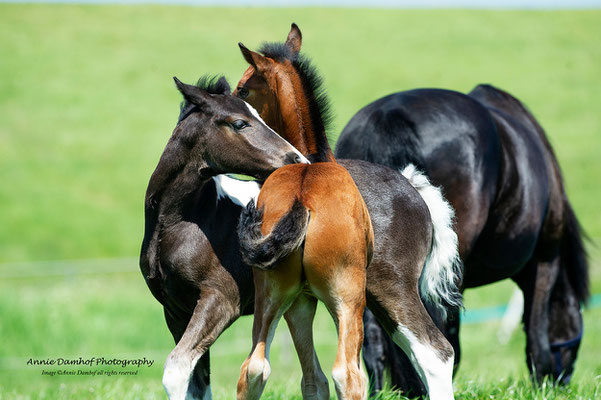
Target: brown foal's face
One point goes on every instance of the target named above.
(259, 84)
(259, 88)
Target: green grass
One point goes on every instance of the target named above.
(87, 104)
(113, 315)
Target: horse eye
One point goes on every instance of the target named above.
(242, 92)
(239, 124)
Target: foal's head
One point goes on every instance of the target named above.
(287, 92)
(217, 133)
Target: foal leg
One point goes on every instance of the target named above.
(349, 377)
(299, 317)
(401, 311)
(376, 352)
(200, 383)
(275, 291)
(343, 292)
(213, 313)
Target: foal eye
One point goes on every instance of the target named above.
(242, 92)
(239, 124)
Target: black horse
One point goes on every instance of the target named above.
(513, 218)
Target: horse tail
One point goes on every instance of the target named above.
(442, 274)
(573, 255)
(287, 235)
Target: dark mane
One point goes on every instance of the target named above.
(214, 84)
(319, 103)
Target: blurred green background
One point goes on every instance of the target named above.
(87, 104)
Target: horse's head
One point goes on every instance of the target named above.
(287, 92)
(267, 76)
(223, 134)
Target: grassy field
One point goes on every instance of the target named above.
(87, 104)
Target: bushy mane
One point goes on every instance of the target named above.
(319, 103)
(214, 84)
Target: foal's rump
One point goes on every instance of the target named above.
(316, 207)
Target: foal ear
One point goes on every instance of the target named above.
(257, 60)
(222, 86)
(295, 39)
(192, 94)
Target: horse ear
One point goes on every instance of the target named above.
(257, 60)
(295, 39)
(192, 94)
(223, 86)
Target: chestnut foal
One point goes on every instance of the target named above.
(415, 249)
(310, 233)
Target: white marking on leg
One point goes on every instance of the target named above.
(239, 192)
(435, 372)
(259, 368)
(339, 377)
(257, 116)
(176, 376)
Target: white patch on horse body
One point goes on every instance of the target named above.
(435, 372)
(257, 116)
(442, 271)
(240, 192)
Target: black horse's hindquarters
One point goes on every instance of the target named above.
(496, 167)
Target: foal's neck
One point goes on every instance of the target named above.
(299, 124)
(174, 196)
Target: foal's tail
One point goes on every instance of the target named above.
(573, 255)
(441, 276)
(286, 236)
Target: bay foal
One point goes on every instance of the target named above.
(311, 233)
(415, 248)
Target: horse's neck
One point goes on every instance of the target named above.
(177, 198)
(299, 129)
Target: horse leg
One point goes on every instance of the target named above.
(380, 353)
(314, 384)
(213, 313)
(343, 292)
(565, 328)
(275, 291)
(536, 282)
(200, 384)
(376, 352)
(348, 375)
(400, 310)
(403, 375)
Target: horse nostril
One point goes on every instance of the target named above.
(292, 158)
